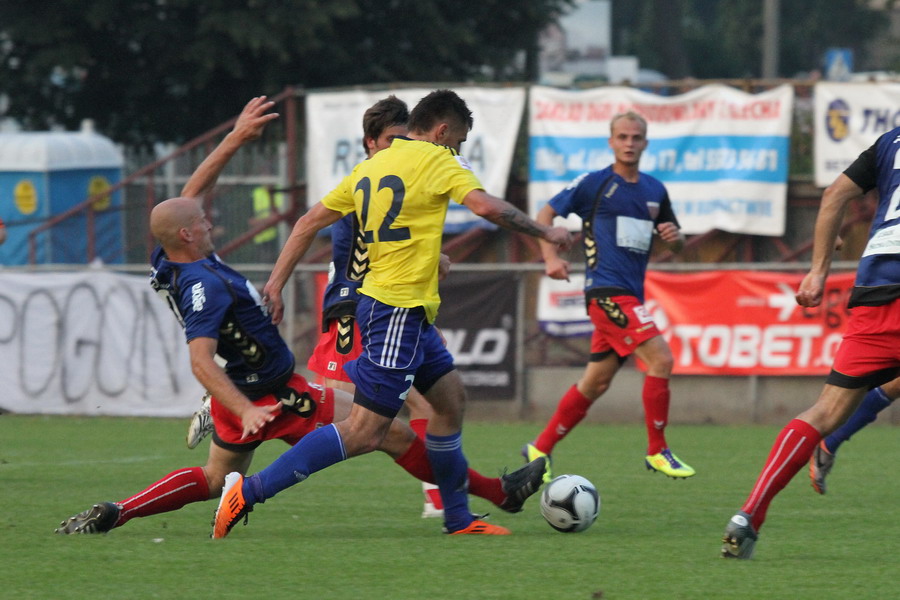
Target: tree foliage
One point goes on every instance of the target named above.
(148, 70)
(722, 39)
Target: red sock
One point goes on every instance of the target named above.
(656, 412)
(169, 493)
(488, 488)
(433, 495)
(572, 408)
(790, 453)
(419, 425)
(415, 462)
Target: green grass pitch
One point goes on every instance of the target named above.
(355, 531)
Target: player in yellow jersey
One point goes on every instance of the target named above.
(400, 197)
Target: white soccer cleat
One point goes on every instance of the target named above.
(201, 423)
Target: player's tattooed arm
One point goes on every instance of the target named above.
(516, 220)
(499, 211)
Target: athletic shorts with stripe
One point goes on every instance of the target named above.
(288, 425)
(400, 348)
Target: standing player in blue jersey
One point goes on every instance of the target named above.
(256, 396)
(622, 210)
(400, 196)
(869, 354)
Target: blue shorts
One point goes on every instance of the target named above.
(400, 348)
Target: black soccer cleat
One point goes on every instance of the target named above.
(522, 483)
(100, 518)
(740, 538)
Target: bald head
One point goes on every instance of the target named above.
(181, 227)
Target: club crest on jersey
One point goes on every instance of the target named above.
(653, 207)
(463, 162)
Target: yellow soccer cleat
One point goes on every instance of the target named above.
(531, 453)
(668, 464)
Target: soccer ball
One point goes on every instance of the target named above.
(570, 503)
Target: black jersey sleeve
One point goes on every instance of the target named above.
(666, 212)
(863, 170)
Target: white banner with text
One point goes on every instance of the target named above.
(334, 139)
(849, 117)
(91, 343)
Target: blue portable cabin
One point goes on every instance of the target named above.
(43, 174)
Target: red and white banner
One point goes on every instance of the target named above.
(739, 322)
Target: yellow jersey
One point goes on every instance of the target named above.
(400, 196)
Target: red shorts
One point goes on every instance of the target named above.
(338, 346)
(621, 323)
(871, 341)
(288, 425)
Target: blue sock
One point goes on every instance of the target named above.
(874, 402)
(321, 448)
(451, 475)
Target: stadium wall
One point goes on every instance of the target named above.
(69, 365)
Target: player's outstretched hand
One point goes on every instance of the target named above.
(253, 119)
(811, 289)
(271, 298)
(256, 417)
(668, 232)
(557, 268)
(561, 237)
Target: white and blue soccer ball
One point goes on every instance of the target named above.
(570, 503)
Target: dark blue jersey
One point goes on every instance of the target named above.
(618, 221)
(349, 264)
(213, 300)
(878, 273)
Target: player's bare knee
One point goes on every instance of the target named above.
(593, 388)
(215, 479)
(398, 439)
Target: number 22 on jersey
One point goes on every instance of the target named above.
(386, 233)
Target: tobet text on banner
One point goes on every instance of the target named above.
(725, 322)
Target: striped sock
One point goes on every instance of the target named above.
(450, 472)
(415, 462)
(173, 491)
(790, 453)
